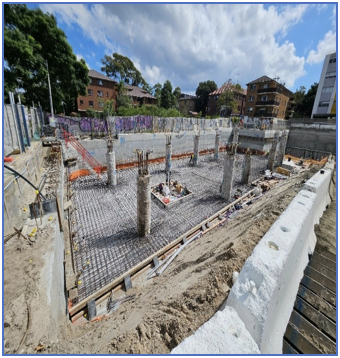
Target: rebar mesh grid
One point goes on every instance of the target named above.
(106, 243)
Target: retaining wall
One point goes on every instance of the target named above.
(264, 293)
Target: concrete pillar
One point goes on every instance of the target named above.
(272, 152)
(217, 145)
(196, 150)
(282, 148)
(246, 168)
(235, 135)
(168, 152)
(228, 175)
(143, 205)
(111, 168)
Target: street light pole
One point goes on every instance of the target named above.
(49, 88)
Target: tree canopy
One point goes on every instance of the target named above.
(304, 101)
(166, 95)
(202, 93)
(123, 69)
(226, 101)
(31, 40)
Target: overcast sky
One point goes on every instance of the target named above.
(190, 43)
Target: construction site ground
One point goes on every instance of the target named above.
(164, 310)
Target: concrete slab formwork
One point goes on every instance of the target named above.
(105, 239)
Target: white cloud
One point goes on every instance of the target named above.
(81, 57)
(190, 43)
(325, 46)
(321, 7)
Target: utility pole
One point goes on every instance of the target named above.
(49, 88)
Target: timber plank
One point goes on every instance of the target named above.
(323, 269)
(318, 277)
(328, 254)
(287, 348)
(318, 289)
(324, 261)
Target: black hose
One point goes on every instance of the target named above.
(21, 176)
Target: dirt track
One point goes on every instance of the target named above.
(166, 309)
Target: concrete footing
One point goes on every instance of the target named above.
(217, 145)
(111, 168)
(246, 168)
(228, 175)
(196, 149)
(272, 152)
(143, 205)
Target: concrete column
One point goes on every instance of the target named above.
(143, 205)
(111, 168)
(282, 148)
(272, 152)
(196, 150)
(228, 175)
(217, 145)
(246, 168)
(168, 152)
(235, 135)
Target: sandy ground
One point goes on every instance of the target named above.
(165, 310)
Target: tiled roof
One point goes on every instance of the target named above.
(138, 92)
(96, 74)
(268, 79)
(226, 87)
(261, 79)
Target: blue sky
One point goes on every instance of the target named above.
(191, 43)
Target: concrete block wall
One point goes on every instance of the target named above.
(313, 136)
(264, 293)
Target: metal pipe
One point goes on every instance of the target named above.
(21, 176)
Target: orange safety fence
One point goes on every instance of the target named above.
(78, 173)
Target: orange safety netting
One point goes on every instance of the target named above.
(78, 174)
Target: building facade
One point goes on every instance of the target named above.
(187, 104)
(325, 99)
(267, 98)
(213, 108)
(139, 96)
(100, 89)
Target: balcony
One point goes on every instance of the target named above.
(270, 90)
(265, 114)
(267, 103)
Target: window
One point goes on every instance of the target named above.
(149, 100)
(264, 98)
(90, 80)
(100, 104)
(250, 109)
(266, 85)
(100, 82)
(252, 87)
(332, 60)
(89, 92)
(100, 93)
(324, 104)
(262, 110)
(251, 98)
(81, 102)
(107, 94)
(330, 74)
(91, 103)
(327, 90)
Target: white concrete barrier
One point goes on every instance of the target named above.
(263, 296)
(224, 333)
(266, 288)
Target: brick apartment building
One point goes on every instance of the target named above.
(268, 98)
(213, 108)
(100, 88)
(187, 104)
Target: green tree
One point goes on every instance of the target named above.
(304, 101)
(226, 101)
(176, 95)
(32, 39)
(123, 69)
(123, 100)
(108, 107)
(166, 95)
(156, 91)
(202, 93)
